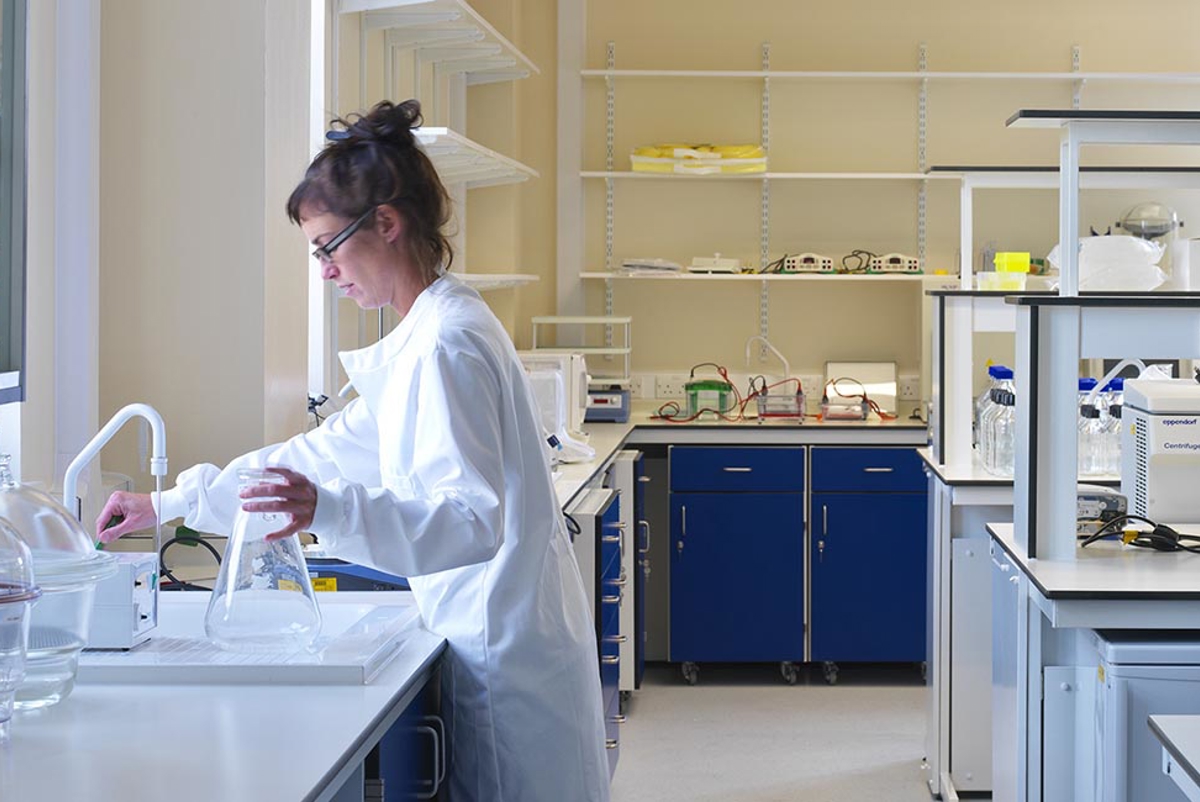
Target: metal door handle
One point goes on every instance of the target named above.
(437, 763)
(610, 599)
(617, 525)
(643, 479)
(737, 470)
(824, 520)
(611, 539)
(1005, 567)
(683, 512)
(610, 659)
(620, 583)
(645, 525)
(616, 638)
(610, 743)
(618, 719)
(441, 728)
(878, 470)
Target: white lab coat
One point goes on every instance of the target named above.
(438, 472)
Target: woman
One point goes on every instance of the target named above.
(437, 471)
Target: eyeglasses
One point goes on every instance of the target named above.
(324, 253)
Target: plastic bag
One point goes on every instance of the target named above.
(1128, 264)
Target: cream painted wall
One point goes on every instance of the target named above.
(850, 126)
(202, 282)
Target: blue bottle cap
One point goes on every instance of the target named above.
(1087, 385)
(1002, 373)
(994, 371)
(1116, 385)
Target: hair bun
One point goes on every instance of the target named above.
(387, 123)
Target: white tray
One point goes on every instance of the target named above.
(358, 639)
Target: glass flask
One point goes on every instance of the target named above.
(67, 567)
(263, 600)
(17, 595)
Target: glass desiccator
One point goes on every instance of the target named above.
(263, 600)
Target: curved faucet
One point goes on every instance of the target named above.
(158, 451)
(787, 370)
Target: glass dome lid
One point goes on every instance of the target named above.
(16, 568)
(62, 551)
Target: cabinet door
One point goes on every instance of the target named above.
(737, 577)
(412, 754)
(868, 577)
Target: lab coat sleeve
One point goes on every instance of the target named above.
(449, 511)
(206, 496)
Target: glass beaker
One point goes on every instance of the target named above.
(17, 595)
(263, 600)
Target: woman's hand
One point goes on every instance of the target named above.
(296, 496)
(136, 509)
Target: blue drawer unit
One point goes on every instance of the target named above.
(867, 557)
(737, 556)
(734, 470)
(849, 470)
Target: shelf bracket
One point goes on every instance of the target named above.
(610, 128)
(764, 231)
(1077, 89)
(922, 129)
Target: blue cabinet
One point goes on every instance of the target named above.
(867, 553)
(737, 555)
(410, 760)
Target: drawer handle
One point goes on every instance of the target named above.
(643, 479)
(616, 638)
(619, 583)
(610, 743)
(621, 524)
(610, 599)
(618, 719)
(878, 470)
(610, 659)
(611, 539)
(737, 470)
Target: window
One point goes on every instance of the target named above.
(12, 199)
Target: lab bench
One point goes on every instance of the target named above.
(1180, 739)
(803, 542)
(229, 742)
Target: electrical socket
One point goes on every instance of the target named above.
(641, 385)
(670, 385)
(908, 387)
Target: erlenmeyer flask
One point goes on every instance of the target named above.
(263, 600)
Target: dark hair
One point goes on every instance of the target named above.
(372, 160)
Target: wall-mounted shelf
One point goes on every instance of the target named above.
(904, 75)
(459, 160)
(482, 282)
(772, 176)
(669, 276)
(449, 33)
(1047, 177)
(608, 351)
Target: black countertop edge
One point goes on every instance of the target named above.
(988, 293)
(1113, 115)
(1009, 168)
(1182, 760)
(1148, 300)
(1092, 595)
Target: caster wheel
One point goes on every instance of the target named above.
(691, 673)
(790, 672)
(831, 672)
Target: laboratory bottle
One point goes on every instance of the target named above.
(1112, 426)
(1087, 423)
(1004, 433)
(1004, 384)
(984, 402)
(263, 600)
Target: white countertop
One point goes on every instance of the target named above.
(207, 742)
(1107, 570)
(1180, 737)
(973, 473)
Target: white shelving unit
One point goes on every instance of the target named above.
(484, 282)
(607, 352)
(461, 161)
(771, 176)
(683, 276)
(903, 75)
(448, 34)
